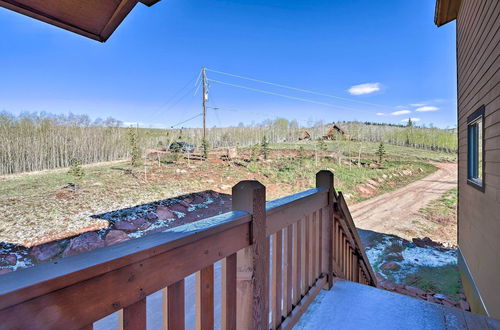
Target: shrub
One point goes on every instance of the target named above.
(75, 168)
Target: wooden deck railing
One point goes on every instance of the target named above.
(276, 257)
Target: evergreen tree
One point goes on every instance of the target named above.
(135, 151)
(381, 152)
(75, 169)
(264, 147)
(205, 147)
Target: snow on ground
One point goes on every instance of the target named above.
(407, 256)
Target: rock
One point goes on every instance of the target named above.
(83, 243)
(141, 223)
(379, 277)
(415, 290)
(214, 194)
(388, 285)
(390, 266)
(5, 270)
(372, 182)
(115, 236)
(464, 305)
(180, 171)
(185, 204)
(164, 213)
(124, 225)
(396, 256)
(384, 176)
(440, 296)
(197, 199)
(46, 251)
(462, 296)
(9, 259)
(447, 303)
(178, 208)
(188, 200)
(407, 172)
(151, 216)
(225, 187)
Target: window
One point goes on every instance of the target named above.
(475, 146)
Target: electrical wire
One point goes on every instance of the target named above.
(185, 121)
(287, 96)
(301, 89)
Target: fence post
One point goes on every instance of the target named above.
(324, 179)
(252, 305)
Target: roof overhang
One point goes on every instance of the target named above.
(446, 11)
(95, 19)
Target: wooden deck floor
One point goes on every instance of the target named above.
(350, 305)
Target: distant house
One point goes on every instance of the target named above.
(335, 132)
(304, 136)
(478, 64)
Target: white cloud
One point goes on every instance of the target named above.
(427, 108)
(417, 104)
(400, 112)
(380, 114)
(367, 88)
(412, 119)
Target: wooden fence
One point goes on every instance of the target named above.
(276, 257)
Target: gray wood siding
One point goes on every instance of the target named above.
(478, 60)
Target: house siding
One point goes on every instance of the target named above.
(478, 61)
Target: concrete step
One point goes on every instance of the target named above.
(350, 305)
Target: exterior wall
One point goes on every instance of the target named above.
(478, 60)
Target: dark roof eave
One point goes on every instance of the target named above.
(446, 11)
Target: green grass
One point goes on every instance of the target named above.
(445, 279)
(354, 148)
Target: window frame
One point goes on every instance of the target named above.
(471, 120)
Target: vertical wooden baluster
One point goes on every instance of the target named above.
(253, 261)
(341, 252)
(347, 258)
(355, 264)
(297, 288)
(307, 252)
(314, 251)
(339, 247)
(175, 306)
(277, 278)
(321, 245)
(205, 298)
(134, 316)
(287, 286)
(351, 259)
(229, 293)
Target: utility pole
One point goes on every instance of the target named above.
(204, 96)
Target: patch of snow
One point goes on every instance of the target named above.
(427, 256)
(158, 224)
(179, 214)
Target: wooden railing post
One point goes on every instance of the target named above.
(324, 179)
(252, 306)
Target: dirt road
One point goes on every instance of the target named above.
(393, 212)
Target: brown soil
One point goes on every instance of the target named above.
(395, 212)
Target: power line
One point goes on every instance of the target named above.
(285, 96)
(301, 89)
(185, 121)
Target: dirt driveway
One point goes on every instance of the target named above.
(393, 212)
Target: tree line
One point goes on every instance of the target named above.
(33, 141)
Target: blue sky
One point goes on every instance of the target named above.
(386, 57)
